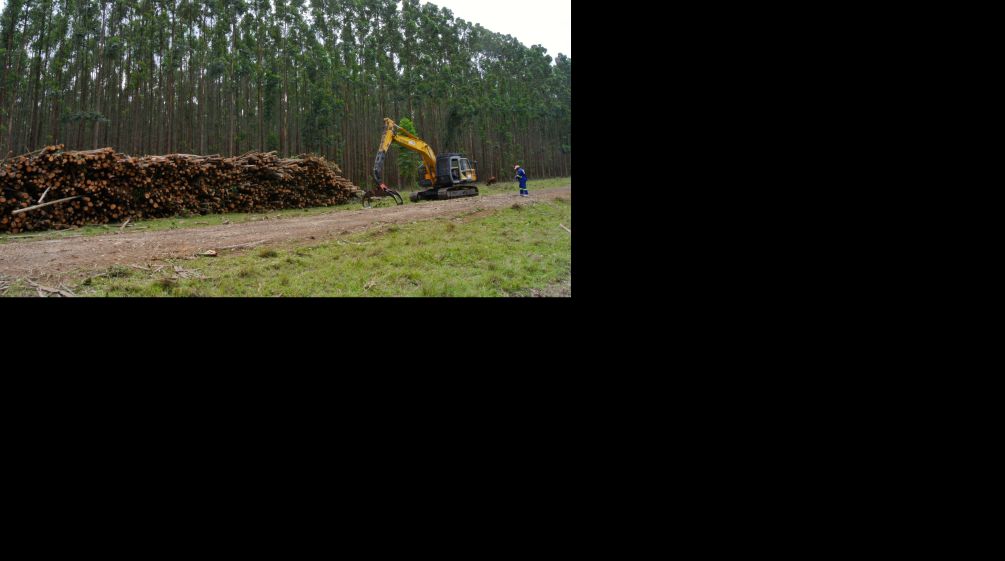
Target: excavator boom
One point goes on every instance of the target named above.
(395, 134)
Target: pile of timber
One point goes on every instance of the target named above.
(57, 189)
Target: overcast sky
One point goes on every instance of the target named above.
(533, 22)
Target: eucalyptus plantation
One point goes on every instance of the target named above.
(296, 76)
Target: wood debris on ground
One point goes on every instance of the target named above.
(45, 291)
(182, 273)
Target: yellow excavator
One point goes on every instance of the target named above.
(446, 176)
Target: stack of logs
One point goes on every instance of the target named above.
(102, 186)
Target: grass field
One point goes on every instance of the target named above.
(515, 251)
(199, 221)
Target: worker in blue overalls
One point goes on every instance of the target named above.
(522, 177)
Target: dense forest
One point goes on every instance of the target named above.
(296, 76)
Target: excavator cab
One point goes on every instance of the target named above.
(467, 172)
(451, 170)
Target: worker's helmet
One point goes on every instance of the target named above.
(516, 166)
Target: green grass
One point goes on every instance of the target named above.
(199, 221)
(508, 252)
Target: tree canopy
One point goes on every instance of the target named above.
(229, 76)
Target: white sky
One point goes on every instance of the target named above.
(533, 22)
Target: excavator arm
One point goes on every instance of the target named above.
(395, 134)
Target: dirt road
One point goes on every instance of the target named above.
(47, 258)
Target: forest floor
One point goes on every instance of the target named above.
(497, 244)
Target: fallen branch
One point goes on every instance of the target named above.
(564, 228)
(19, 211)
(42, 198)
(123, 227)
(242, 245)
(36, 285)
(40, 288)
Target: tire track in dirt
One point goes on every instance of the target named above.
(47, 258)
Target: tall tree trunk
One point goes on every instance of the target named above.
(101, 76)
(37, 76)
(9, 25)
(170, 81)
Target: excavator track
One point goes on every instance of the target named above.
(444, 194)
